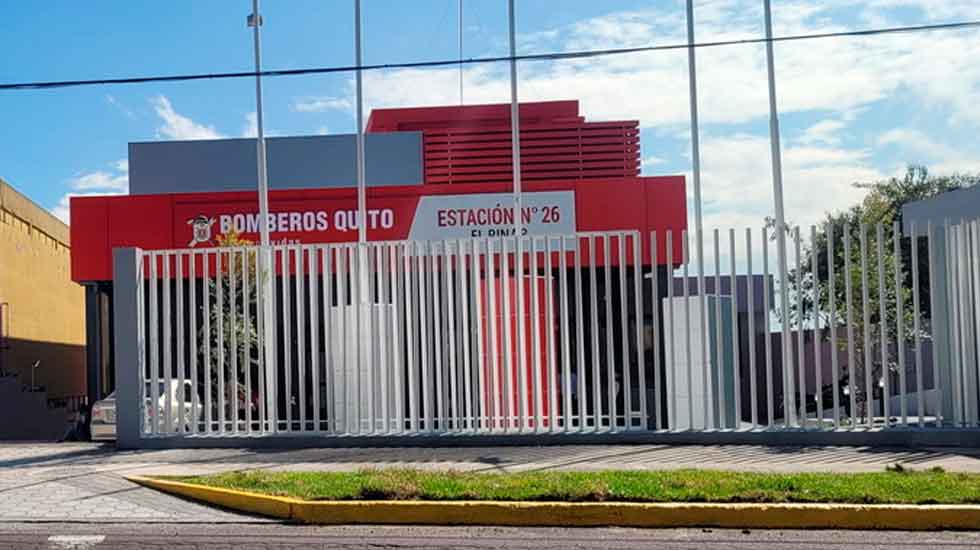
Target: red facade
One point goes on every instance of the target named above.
(592, 169)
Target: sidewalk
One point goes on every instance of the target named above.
(84, 482)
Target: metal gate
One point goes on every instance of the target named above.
(589, 333)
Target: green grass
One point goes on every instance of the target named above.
(895, 486)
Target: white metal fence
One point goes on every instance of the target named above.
(567, 334)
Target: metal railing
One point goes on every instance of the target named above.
(566, 334)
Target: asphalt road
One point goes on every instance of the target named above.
(277, 536)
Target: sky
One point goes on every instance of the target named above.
(851, 109)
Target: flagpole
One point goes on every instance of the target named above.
(265, 250)
(777, 185)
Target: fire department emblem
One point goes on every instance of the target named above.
(201, 230)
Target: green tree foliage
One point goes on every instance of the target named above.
(232, 331)
(837, 244)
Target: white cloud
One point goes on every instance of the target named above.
(320, 104)
(178, 126)
(251, 127)
(919, 148)
(824, 132)
(100, 182)
(738, 190)
(111, 100)
(831, 75)
(323, 130)
(650, 161)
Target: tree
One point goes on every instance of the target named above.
(232, 331)
(881, 207)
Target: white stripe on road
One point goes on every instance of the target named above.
(74, 542)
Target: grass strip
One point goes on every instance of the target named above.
(895, 486)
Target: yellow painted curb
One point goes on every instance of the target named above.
(582, 514)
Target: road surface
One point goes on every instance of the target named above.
(277, 536)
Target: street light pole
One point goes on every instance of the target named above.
(268, 363)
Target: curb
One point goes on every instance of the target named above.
(582, 514)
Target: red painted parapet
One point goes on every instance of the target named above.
(427, 212)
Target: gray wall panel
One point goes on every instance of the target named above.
(294, 163)
(953, 206)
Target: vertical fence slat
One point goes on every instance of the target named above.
(656, 308)
(425, 379)
(800, 343)
(312, 259)
(640, 321)
(496, 384)
(866, 312)
(916, 328)
(385, 338)
(153, 415)
(625, 388)
(549, 333)
(594, 314)
(736, 362)
(233, 348)
(260, 299)
(535, 328)
(936, 378)
(411, 274)
(451, 363)
(610, 350)
(851, 351)
(326, 290)
(672, 365)
(566, 359)
(287, 346)
(397, 322)
(343, 419)
(685, 254)
(464, 314)
(247, 331)
(832, 301)
(168, 365)
(900, 321)
(206, 301)
(582, 398)
(750, 310)
(180, 312)
(438, 330)
(705, 340)
(506, 328)
(885, 379)
(192, 319)
(770, 383)
(817, 333)
(718, 358)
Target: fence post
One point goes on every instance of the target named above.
(128, 344)
(941, 367)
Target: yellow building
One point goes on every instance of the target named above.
(43, 310)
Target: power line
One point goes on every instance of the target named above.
(582, 54)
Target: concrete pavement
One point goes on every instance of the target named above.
(84, 482)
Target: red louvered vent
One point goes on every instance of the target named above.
(472, 144)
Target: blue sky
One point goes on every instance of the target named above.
(852, 110)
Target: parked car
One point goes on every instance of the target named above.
(103, 425)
